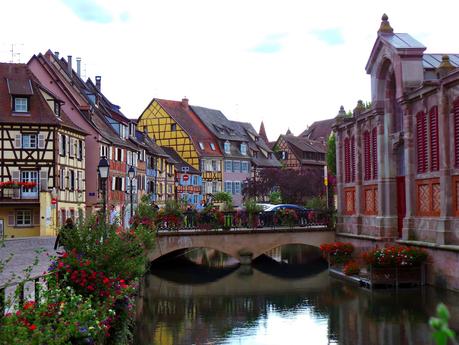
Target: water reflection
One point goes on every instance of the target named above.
(255, 307)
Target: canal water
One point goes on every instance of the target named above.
(286, 297)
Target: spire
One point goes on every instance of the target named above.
(262, 132)
(288, 132)
(385, 27)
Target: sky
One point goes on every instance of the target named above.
(287, 63)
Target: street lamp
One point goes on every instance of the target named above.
(131, 174)
(103, 168)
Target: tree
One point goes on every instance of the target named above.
(295, 186)
(331, 154)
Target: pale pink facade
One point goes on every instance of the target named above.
(398, 159)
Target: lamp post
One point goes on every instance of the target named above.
(131, 174)
(103, 169)
(176, 184)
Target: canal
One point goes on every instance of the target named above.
(286, 297)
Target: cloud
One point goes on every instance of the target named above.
(89, 10)
(330, 36)
(271, 44)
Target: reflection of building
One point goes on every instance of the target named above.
(42, 157)
(398, 159)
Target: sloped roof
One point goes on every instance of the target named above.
(150, 145)
(304, 144)
(26, 84)
(262, 132)
(191, 124)
(217, 123)
(319, 130)
(179, 162)
(433, 61)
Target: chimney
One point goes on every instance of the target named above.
(69, 65)
(78, 60)
(56, 54)
(98, 81)
(185, 102)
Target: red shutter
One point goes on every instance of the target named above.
(456, 133)
(374, 151)
(434, 149)
(347, 166)
(352, 159)
(366, 153)
(421, 142)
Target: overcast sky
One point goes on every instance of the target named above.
(288, 63)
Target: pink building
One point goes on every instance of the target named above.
(398, 159)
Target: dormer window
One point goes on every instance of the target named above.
(212, 146)
(201, 145)
(243, 149)
(173, 127)
(57, 108)
(227, 147)
(21, 104)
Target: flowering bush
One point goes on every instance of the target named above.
(17, 184)
(352, 267)
(62, 317)
(210, 218)
(337, 252)
(287, 217)
(401, 256)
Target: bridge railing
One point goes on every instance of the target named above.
(227, 220)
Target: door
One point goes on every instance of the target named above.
(30, 192)
(401, 203)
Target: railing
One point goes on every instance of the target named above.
(16, 194)
(20, 291)
(192, 220)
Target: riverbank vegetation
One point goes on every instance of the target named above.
(87, 295)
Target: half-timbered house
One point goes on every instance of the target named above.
(174, 124)
(33, 132)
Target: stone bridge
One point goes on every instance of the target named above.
(242, 244)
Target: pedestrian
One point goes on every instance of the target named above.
(200, 207)
(68, 226)
(114, 217)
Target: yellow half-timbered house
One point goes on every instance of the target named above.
(174, 124)
(31, 125)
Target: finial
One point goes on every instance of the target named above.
(385, 27)
(445, 66)
(341, 112)
(359, 108)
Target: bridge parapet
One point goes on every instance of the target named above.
(236, 242)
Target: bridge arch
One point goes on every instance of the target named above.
(233, 243)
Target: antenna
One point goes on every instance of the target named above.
(14, 53)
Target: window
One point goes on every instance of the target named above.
(212, 146)
(80, 150)
(79, 181)
(228, 166)
(23, 218)
(173, 127)
(245, 167)
(374, 151)
(227, 147)
(214, 187)
(214, 165)
(57, 108)
(62, 144)
(228, 187)
(456, 133)
(62, 179)
(236, 166)
(349, 160)
(243, 149)
(201, 145)
(29, 141)
(118, 183)
(236, 187)
(118, 154)
(21, 104)
(29, 176)
(427, 153)
(72, 180)
(366, 156)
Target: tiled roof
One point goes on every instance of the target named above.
(191, 124)
(319, 130)
(151, 145)
(179, 162)
(304, 144)
(18, 78)
(432, 61)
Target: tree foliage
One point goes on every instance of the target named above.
(295, 186)
(331, 154)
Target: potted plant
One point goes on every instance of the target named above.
(337, 253)
(253, 210)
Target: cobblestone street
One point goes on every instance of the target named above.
(24, 253)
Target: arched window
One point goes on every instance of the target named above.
(374, 151)
(366, 156)
(434, 149)
(349, 160)
(428, 158)
(421, 142)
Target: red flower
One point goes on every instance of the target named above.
(32, 327)
(29, 305)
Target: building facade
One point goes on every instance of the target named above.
(398, 161)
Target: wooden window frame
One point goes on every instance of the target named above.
(430, 212)
(374, 210)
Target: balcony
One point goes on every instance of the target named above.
(18, 196)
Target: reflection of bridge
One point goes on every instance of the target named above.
(240, 244)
